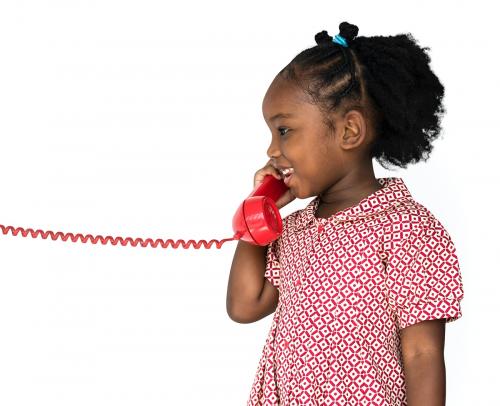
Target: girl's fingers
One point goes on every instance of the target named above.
(266, 170)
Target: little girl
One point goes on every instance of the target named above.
(364, 278)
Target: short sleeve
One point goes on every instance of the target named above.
(273, 267)
(423, 277)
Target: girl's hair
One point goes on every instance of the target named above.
(387, 78)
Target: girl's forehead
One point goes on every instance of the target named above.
(285, 99)
(290, 109)
(284, 91)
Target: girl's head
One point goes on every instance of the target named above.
(334, 108)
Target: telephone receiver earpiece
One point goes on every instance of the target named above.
(258, 219)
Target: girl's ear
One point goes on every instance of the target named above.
(354, 130)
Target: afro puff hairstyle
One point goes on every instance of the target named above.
(387, 78)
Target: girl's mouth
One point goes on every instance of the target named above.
(287, 174)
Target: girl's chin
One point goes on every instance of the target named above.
(293, 187)
(292, 184)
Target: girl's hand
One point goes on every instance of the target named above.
(268, 169)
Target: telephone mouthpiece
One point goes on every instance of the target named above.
(258, 219)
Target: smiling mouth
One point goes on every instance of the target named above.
(287, 172)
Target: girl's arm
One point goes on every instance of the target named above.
(422, 347)
(250, 296)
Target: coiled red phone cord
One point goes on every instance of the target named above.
(115, 240)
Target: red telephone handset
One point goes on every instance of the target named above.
(258, 219)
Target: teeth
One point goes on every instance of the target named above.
(287, 171)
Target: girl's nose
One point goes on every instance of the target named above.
(273, 152)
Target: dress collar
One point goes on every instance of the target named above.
(392, 193)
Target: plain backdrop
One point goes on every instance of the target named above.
(143, 119)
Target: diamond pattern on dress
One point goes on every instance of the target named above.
(348, 285)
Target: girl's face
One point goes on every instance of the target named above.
(319, 156)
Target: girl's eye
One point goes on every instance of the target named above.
(282, 128)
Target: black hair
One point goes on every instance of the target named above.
(387, 78)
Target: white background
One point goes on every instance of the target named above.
(143, 119)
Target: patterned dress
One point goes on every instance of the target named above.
(347, 285)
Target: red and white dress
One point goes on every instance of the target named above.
(347, 285)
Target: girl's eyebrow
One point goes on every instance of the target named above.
(281, 115)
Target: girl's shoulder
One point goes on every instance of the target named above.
(411, 213)
(412, 220)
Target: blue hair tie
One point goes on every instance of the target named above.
(340, 40)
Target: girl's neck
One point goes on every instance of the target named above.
(344, 194)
